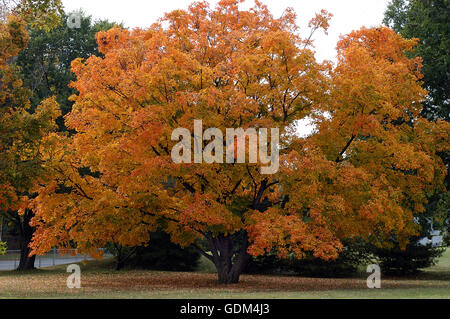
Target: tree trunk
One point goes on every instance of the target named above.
(26, 262)
(122, 255)
(119, 265)
(229, 255)
(230, 274)
(26, 235)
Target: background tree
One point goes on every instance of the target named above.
(45, 63)
(355, 253)
(21, 137)
(403, 262)
(428, 21)
(363, 173)
(38, 14)
(159, 254)
(21, 129)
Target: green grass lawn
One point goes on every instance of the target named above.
(100, 280)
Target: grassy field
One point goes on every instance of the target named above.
(99, 280)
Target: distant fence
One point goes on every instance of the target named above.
(11, 259)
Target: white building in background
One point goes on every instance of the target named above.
(436, 240)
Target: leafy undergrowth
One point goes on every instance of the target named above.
(99, 280)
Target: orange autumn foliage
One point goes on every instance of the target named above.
(363, 172)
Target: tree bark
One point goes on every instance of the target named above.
(229, 255)
(26, 235)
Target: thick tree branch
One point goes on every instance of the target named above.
(339, 158)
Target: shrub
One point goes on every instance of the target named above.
(159, 254)
(354, 254)
(398, 262)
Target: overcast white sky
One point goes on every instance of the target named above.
(348, 14)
